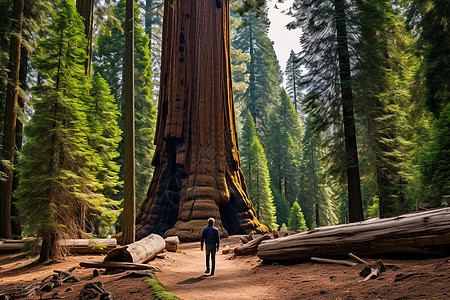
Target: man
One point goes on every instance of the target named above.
(211, 238)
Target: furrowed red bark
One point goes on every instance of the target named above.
(197, 167)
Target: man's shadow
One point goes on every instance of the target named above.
(194, 279)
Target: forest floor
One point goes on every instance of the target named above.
(244, 277)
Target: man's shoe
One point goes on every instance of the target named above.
(207, 271)
(212, 273)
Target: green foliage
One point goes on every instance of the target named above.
(283, 227)
(434, 37)
(104, 137)
(110, 64)
(283, 148)
(296, 219)
(294, 83)
(281, 205)
(254, 166)
(435, 160)
(263, 70)
(380, 92)
(158, 290)
(313, 192)
(58, 166)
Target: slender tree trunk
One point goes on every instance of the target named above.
(294, 82)
(86, 10)
(197, 167)
(9, 141)
(129, 185)
(251, 71)
(315, 185)
(15, 226)
(354, 188)
(148, 19)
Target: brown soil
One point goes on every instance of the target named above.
(245, 277)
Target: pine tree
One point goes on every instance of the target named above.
(254, 167)
(104, 137)
(153, 28)
(435, 160)
(58, 167)
(263, 69)
(313, 195)
(327, 54)
(378, 89)
(283, 148)
(296, 219)
(293, 75)
(110, 64)
(259, 186)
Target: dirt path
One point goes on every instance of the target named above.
(183, 274)
(247, 278)
(244, 277)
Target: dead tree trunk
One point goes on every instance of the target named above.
(197, 167)
(423, 233)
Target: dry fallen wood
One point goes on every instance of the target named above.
(417, 233)
(252, 246)
(11, 247)
(334, 261)
(116, 265)
(372, 271)
(71, 245)
(358, 259)
(138, 252)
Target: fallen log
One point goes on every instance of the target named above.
(116, 265)
(424, 233)
(138, 252)
(71, 245)
(252, 246)
(11, 247)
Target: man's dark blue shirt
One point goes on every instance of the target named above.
(210, 236)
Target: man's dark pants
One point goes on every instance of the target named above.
(211, 252)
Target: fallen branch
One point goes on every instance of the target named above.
(118, 265)
(333, 261)
(358, 259)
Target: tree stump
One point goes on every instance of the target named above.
(197, 166)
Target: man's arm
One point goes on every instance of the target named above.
(218, 240)
(202, 240)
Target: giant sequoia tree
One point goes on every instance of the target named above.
(197, 166)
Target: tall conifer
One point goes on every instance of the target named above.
(59, 167)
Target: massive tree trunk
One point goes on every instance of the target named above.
(9, 140)
(197, 167)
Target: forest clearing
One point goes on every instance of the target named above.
(244, 277)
